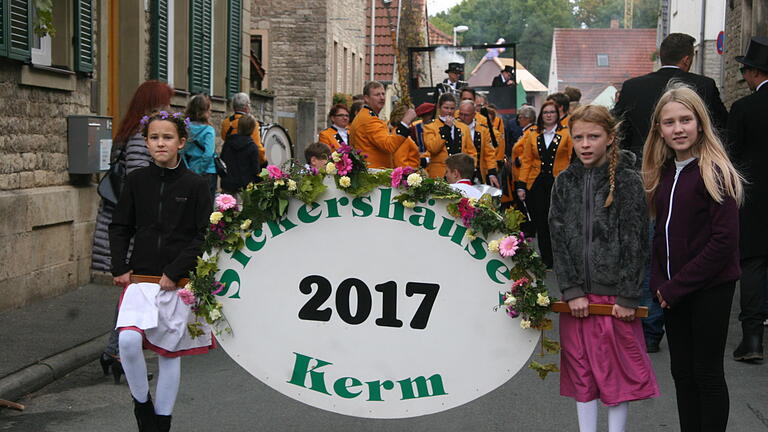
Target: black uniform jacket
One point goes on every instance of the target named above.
(166, 212)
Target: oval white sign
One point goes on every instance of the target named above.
(363, 307)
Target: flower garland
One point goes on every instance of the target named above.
(526, 298)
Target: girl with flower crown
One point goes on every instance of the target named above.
(598, 222)
(164, 208)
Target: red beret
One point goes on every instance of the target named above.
(425, 108)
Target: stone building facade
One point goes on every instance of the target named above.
(743, 20)
(102, 50)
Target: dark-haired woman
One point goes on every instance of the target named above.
(130, 150)
(337, 134)
(200, 150)
(546, 152)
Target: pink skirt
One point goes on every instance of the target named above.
(604, 358)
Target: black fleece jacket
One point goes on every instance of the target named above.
(242, 158)
(597, 249)
(166, 211)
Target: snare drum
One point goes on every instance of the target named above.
(277, 143)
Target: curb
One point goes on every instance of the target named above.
(44, 372)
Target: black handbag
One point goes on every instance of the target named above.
(111, 184)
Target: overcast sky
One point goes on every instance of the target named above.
(435, 6)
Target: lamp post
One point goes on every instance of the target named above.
(458, 29)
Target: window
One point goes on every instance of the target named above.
(602, 60)
(258, 61)
(41, 46)
(344, 71)
(334, 68)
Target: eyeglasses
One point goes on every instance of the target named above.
(549, 112)
(341, 115)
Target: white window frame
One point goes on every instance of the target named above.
(170, 49)
(40, 56)
(213, 54)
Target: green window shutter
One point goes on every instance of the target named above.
(3, 33)
(84, 35)
(200, 17)
(17, 29)
(234, 50)
(159, 51)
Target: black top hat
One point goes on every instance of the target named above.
(509, 69)
(757, 53)
(455, 67)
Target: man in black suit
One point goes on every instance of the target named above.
(639, 95)
(747, 139)
(504, 78)
(635, 106)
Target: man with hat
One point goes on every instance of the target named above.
(504, 78)
(426, 113)
(746, 133)
(452, 84)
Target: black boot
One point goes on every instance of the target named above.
(145, 415)
(163, 423)
(751, 347)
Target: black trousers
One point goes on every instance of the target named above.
(754, 277)
(697, 328)
(538, 200)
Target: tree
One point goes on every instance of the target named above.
(598, 13)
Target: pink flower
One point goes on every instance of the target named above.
(512, 313)
(218, 286)
(508, 246)
(344, 165)
(225, 202)
(344, 148)
(467, 212)
(518, 283)
(187, 296)
(275, 172)
(399, 176)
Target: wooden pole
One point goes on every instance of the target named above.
(597, 309)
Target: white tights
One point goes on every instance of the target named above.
(587, 411)
(135, 367)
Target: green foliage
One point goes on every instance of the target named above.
(310, 188)
(598, 13)
(342, 98)
(44, 21)
(365, 182)
(543, 369)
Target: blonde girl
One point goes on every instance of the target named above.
(694, 193)
(598, 222)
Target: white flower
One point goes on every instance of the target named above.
(279, 182)
(493, 246)
(525, 324)
(335, 157)
(473, 202)
(409, 204)
(246, 224)
(291, 185)
(510, 300)
(216, 217)
(214, 314)
(330, 168)
(414, 180)
(188, 286)
(470, 235)
(345, 182)
(542, 299)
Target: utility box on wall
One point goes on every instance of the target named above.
(90, 143)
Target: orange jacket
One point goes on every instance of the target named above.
(331, 138)
(369, 134)
(531, 159)
(435, 143)
(487, 154)
(229, 127)
(517, 154)
(407, 155)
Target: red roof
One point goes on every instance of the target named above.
(438, 37)
(629, 54)
(384, 57)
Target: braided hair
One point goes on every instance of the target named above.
(601, 116)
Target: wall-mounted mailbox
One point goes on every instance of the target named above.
(90, 143)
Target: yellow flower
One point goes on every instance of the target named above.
(188, 286)
(246, 224)
(279, 182)
(510, 300)
(330, 168)
(473, 202)
(525, 324)
(345, 182)
(249, 187)
(542, 299)
(493, 246)
(470, 235)
(414, 180)
(214, 314)
(409, 204)
(291, 185)
(216, 217)
(335, 157)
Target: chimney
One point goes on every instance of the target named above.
(614, 23)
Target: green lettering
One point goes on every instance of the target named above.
(333, 206)
(275, 229)
(406, 387)
(342, 388)
(228, 278)
(374, 389)
(305, 213)
(495, 269)
(241, 257)
(477, 246)
(445, 230)
(252, 244)
(301, 370)
(364, 205)
(427, 220)
(386, 202)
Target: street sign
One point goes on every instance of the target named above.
(363, 307)
(720, 46)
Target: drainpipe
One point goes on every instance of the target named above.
(373, 36)
(703, 34)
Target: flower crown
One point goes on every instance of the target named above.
(164, 115)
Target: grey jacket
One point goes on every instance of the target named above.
(596, 249)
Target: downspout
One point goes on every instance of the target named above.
(373, 37)
(701, 39)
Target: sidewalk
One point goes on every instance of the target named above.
(43, 341)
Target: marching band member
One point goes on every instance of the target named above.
(452, 84)
(446, 136)
(337, 134)
(481, 139)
